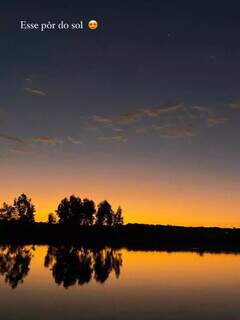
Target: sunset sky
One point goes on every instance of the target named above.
(143, 112)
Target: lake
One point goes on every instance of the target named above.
(47, 282)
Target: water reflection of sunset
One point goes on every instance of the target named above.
(167, 284)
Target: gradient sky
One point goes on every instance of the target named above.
(143, 112)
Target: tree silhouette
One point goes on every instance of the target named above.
(15, 263)
(76, 211)
(63, 211)
(104, 214)
(118, 217)
(76, 215)
(88, 209)
(22, 210)
(69, 210)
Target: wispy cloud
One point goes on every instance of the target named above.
(129, 118)
(114, 138)
(216, 120)
(13, 144)
(235, 105)
(102, 119)
(47, 140)
(175, 130)
(74, 140)
(200, 109)
(11, 139)
(53, 141)
(155, 112)
(35, 91)
(124, 119)
(135, 116)
(21, 149)
(169, 119)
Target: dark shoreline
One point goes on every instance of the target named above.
(131, 236)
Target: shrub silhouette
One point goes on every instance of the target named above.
(51, 218)
(8, 212)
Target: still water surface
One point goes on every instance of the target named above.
(41, 282)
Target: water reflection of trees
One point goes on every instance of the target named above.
(71, 265)
(15, 263)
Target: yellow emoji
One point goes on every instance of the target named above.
(93, 24)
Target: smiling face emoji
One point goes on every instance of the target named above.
(92, 24)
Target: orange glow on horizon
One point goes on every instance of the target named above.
(164, 211)
(145, 196)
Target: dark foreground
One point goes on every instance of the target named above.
(131, 236)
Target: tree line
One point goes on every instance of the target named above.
(70, 211)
